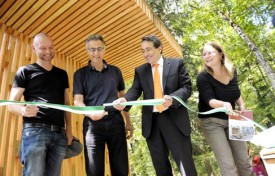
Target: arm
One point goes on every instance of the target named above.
(128, 126)
(241, 105)
(184, 88)
(28, 110)
(79, 101)
(214, 103)
(68, 120)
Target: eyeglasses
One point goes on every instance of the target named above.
(93, 50)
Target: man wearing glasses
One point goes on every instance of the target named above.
(96, 84)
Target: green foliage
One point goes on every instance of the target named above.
(195, 22)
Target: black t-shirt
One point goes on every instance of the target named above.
(98, 87)
(210, 88)
(43, 86)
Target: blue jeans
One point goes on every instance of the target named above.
(42, 151)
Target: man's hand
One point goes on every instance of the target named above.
(129, 129)
(69, 135)
(96, 117)
(30, 111)
(117, 102)
(168, 101)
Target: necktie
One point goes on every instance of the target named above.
(157, 87)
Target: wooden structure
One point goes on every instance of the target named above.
(122, 24)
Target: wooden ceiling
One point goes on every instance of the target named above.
(121, 22)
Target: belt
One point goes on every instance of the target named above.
(43, 125)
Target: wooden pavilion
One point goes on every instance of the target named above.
(122, 24)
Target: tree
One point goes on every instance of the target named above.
(195, 22)
(270, 73)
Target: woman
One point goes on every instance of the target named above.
(218, 87)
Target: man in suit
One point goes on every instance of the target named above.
(165, 128)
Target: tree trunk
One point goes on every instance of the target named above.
(269, 72)
(208, 167)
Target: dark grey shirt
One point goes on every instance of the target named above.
(98, 87)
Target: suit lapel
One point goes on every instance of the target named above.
(166, 68)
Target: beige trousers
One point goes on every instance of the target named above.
(232, 156)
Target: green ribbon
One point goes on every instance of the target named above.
(154, 102)
(212, 111)
(93, 110)
(100, 109)
(73, 109)
(151, 102)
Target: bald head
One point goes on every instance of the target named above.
(43, 47)
(41, 37)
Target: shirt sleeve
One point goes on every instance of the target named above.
(205, 88)
(78, 83)
(121, 84)
(19, 79)
(66, 80)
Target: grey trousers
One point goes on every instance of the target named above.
(232, 156)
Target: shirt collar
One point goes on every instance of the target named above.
(160, 62)
(105, 65)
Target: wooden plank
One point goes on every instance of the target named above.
(69, 42)
(1, 2)
(2, 32)
(67, 15)
(58, 10)
(4, 46)
(74, 51)
(128, 20)
(74, 19)
(19, 12)
(127, 42)
(108, 31)
(119, 35)
(5, 7)
(10, 148)
(36, 16)
(2, 51)
(25, 53)
(114, 26)
(18, 166)
(120, 53)
(33, 58)
(81, 21)
(133, 40)
(6, 141)
(16, 53)
(6, 121)
(11, 11)
(27, 15)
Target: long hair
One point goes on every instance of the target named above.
(225, 62)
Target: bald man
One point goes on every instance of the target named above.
(46, 132)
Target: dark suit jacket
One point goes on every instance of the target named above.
(176, 81)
